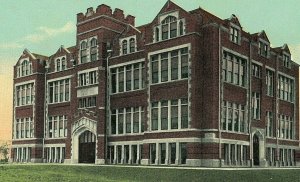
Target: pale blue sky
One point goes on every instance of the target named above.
(43, 25)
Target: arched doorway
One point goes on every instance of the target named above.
(87, 147)
(256, 150)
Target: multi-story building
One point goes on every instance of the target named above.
(187, 88)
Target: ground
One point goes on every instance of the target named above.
(23, 172)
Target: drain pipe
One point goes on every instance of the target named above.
(220, 100)
(249, 105)
(109, 52)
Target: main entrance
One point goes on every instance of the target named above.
(255, 150)
(87, 147)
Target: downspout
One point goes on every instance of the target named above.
(277, 122)
(220, 99)
(107, 104)
(45, 111)
(249, 104)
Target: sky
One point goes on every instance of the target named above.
(42, 26)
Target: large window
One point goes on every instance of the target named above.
(176, 152)
(170, 66)
(235, 154)
(87, 78)
(286, 88)
(169, 114)
(286, 126)
(23, 128)
(22, 154)
(57, 126)
(130, 120)
(87, 102)
(233, 117)
(25, 94)
(256, 105)
(55, 154)
(170, 27)
(88, 50)
(270, 82)
(233, 69)
(59, 91)
(24, 69)
(128, 78)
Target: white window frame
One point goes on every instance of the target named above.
(128, 45)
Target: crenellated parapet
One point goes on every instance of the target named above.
(105, 10)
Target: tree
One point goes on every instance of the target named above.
(4, 151)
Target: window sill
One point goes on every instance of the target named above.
(23, 139)
(170, 130)
(171, 81)
(57, 138)
(87, 86)
(235, 132)
(58, 103)
(29, 105)
(291, 102)
(127, 92)
(244, 87)
(127, 134)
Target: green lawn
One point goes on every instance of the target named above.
(43, 173)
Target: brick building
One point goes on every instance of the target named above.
(187, 88)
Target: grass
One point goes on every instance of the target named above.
(72, 173)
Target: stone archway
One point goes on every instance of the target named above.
(87, 147)
(78, 129)
(258, 149)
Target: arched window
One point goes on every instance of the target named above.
(83, 45)
(180, 28)
(169, 24)
(124, 46)
(157, 34)
(93, 42)
(63, 63)
(132, 45)
(83, 52)
(24, 68)
(58, 65)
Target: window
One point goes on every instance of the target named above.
(87, 102)
(235, 154)
(256, 70)
(152, 153)
(183, 153)
(93, 50)
(286, 127)
(173, 66)
(165, 112)
(22, 154)
(286, 61)
(263, 49)
(131, 118)
(25, 94)
(133, 75)
(55, 154)
(169, 27)
(270, 82)
(60, 64)
(233, 69)
(233, 117)
(124, 46)
(24, 69)
(83, 52)
(234, 35)
(87, 78)
(270, 124)
(256, 105)
(57, 126)
(89, 50)
(23, 128)
(286, 88)
(59, 91)
(132, 45)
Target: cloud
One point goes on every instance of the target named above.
(295, 51)
(45, 33)
(11, 45)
